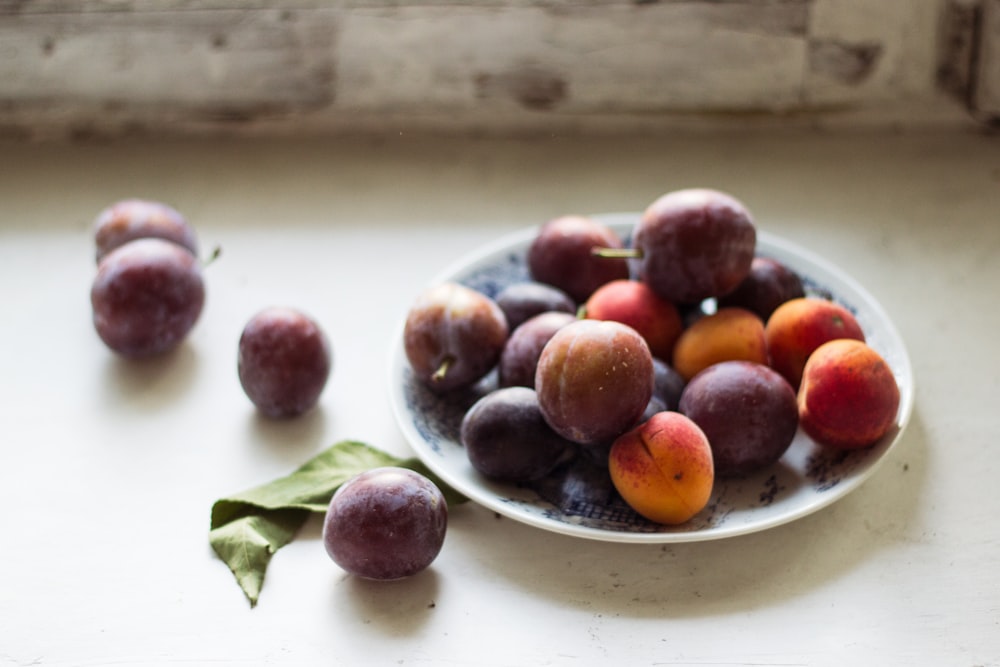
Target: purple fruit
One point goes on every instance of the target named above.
(507, 439)
(146, 297)
(522, 301)
(385, 523)
(668, 384)
(748, 412)
(519, 358)
(695, 244)
(594, 380)
(284, 362)
(453, 336)
(769, 284)
(132, 219)
(561, 255)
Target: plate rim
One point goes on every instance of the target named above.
(487, 492)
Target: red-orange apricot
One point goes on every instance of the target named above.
(635, 303)
(849, 397)
(799, 326)
(729, 334)
(663, 468)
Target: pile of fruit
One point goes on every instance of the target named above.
(676, 360)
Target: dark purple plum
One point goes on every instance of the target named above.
(562, 255)
(594, 380)
(385, 523)
(507, 439)
(522, 301)
(769, 284)
(146, 297)
(284, 362)
(655, 405)
(747, 411)
(132, 219)
(668, 384)
(519, 358)
(695, 244)
(453, 336)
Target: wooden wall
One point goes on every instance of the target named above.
(92, 66)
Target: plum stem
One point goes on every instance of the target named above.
(617, 253)
(442, 370)
(216, 251)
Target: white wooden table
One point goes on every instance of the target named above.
(108, 469)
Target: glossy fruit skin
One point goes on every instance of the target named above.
(663, 468)
(385, 523)
(695, 244)
(523, 300)
(849, 397)
(284, 361)
(507, 439)
(561, 254)
(594, 380)
(146, 297)
(747, 411)
(729, 334)
(453, 336)
(799, 326)
(769, 284)
(519, 359)
(131, 219)
(634, 303)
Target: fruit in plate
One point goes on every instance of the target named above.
(694, 244)
(663, 468)
(747, 411)
(668, 385)
(729, 334)
(799, 326)
(634, 303)
(453, 336)
(146, 297)
(523, 300)
(283, 362)
(507, 439)
(519, 358)
(131, 219)
(594, 379)
(849, 397)
(769, 284)
(562, 255)
(385, 523)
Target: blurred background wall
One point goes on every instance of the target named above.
(87, 67)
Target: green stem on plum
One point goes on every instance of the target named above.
(617, 253)
(442, 370)
(216, 251)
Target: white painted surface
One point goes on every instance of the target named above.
(108, 469)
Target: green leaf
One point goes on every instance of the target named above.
(249, 527)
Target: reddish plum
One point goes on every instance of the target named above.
(519, 358)
(453, 336)
(284, 362)
(132, 219)
(695, 244)
(562, 255)
(146, 297)
(385, 523)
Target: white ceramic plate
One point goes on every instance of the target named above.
(806, 479)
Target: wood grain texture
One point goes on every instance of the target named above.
(105, 64)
